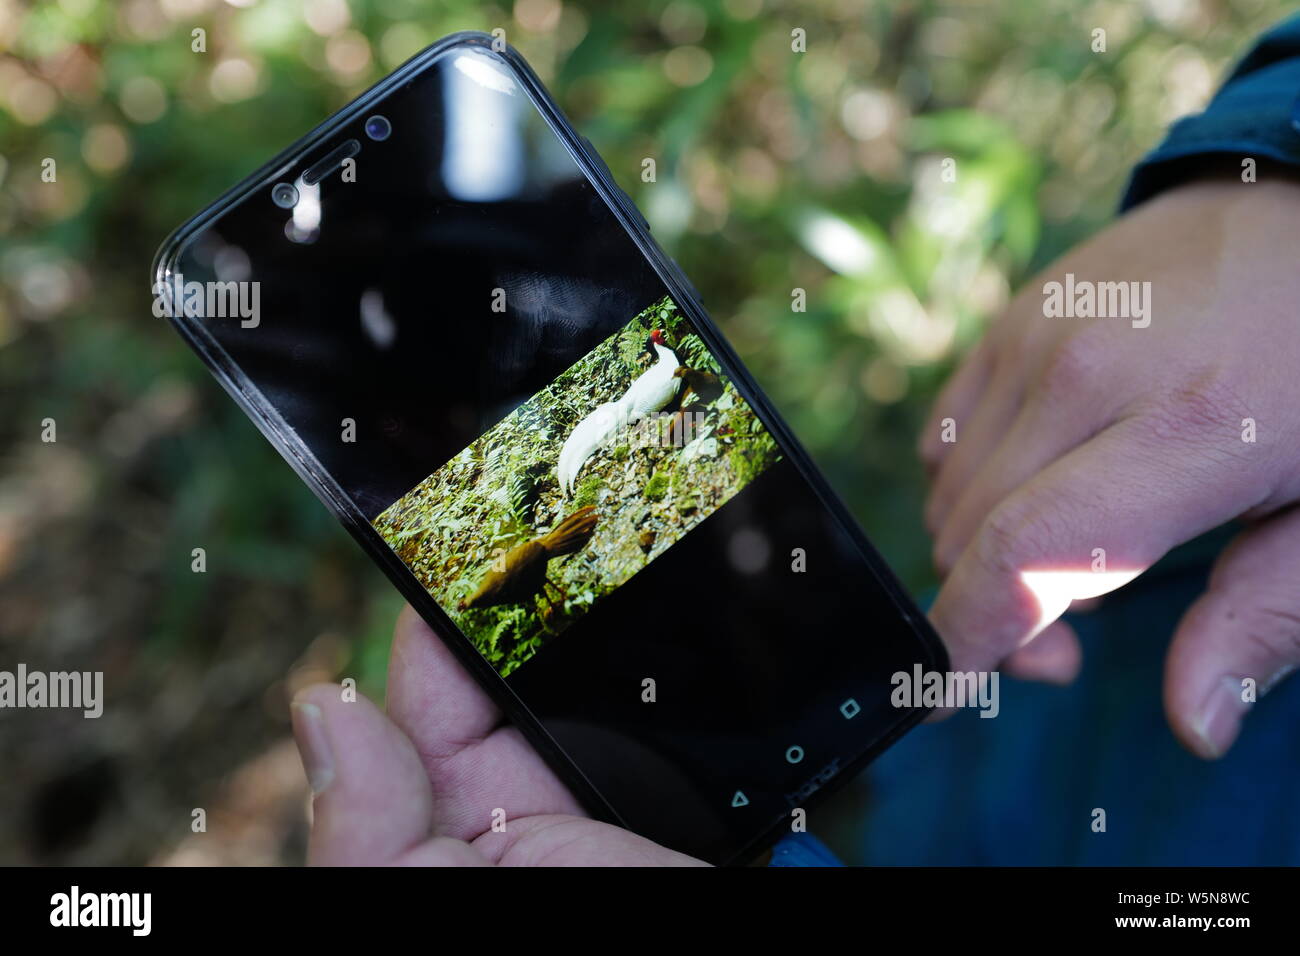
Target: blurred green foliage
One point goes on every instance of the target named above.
(822, 171)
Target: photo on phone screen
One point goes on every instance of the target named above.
(580, 487)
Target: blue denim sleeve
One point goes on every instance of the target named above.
(1255, 114)
(802, 849)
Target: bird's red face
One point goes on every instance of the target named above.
(657, 338)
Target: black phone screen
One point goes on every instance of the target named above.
(456, 326)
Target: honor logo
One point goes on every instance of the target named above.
(818, 780)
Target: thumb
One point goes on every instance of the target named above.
(1246, 625)
(372, 799)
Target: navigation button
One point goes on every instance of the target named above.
(740, 800)
(850, 709)
(794, 754)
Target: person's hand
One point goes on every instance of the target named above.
(1083, 441)
(419, 786)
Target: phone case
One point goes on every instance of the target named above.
(321, 483)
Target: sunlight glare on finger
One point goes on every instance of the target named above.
(1055, 590)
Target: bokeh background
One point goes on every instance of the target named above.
(776, 170)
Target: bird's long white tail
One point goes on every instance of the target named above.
(583, 442)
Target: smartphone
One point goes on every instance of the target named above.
(446, 315)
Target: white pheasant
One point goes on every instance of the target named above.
(653, 389)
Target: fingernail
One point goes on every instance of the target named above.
(1220, 716)
(313, 745)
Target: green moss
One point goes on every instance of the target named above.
(656, 487)
(751, 456)
(587, 492)
(620, 453)
(742, 465)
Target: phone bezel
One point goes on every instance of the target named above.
(284, 439)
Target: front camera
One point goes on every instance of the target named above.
(378, 128)
(284, 195)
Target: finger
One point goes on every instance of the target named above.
(476, 765)
(372, 800)
(443, 851)
(1245, 626)
(571, 841)
(1051, 422)
(976, 437)
(1031, 351)
(1053, 657)
(954, 401)
(430, 695)
(1090, 522)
